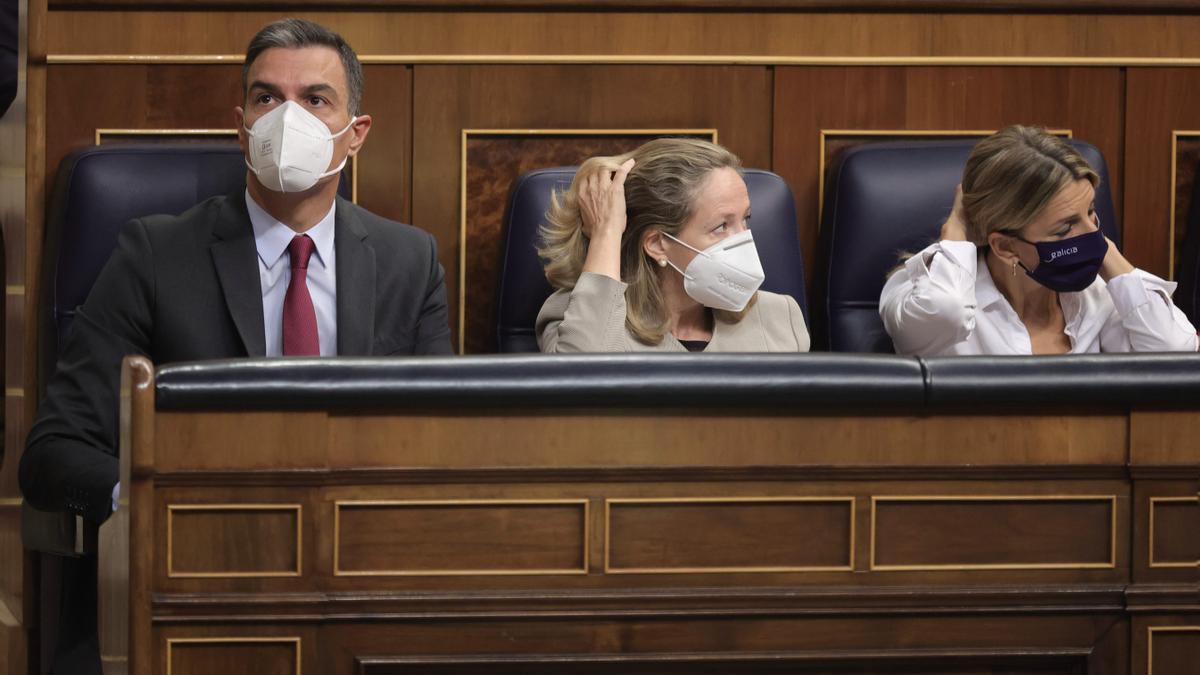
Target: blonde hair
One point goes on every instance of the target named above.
(660, 193)
(1012, 175)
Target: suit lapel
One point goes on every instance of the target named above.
(235, 257)
(355, 283)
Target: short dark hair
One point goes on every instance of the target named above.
(297, 33)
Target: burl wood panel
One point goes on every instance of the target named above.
(1175, 531)
(920, 98)
(493, 163)
(1173, 650)
(936, 533)
(460, 538)
(233, 656)
(1158, 101)
(686, 536)
(232, 541)
(736, 101)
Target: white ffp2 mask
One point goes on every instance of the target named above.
(724, 275)
(290, 148)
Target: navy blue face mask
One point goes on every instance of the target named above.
(1068, 265)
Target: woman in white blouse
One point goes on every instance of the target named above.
(1021, 266)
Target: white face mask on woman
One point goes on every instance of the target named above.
(290, 148)
(724, 275)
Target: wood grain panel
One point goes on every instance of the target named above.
(808, 100)
(465, 537)
(233, 540)
(1174, 531)
(864, 5)
(233, 656)
(714, 535)
(699, 34)
(733, 100)
(385, 166)
(1173, 650)
(1158, 101)
(981, 532)
(667, 439)
(1164, 437)
(246, 441)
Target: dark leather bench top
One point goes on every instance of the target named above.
(713, 381)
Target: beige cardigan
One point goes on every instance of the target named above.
(591, 318)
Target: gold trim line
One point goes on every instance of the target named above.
(1151, 630)
(172, 508)
(653, 59)
(295, 642)
(831, 499)
(1150, 543)
(1112, 550)
(368, 503)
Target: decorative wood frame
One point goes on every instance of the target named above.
(172, 508)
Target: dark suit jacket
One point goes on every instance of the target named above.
(187, 288)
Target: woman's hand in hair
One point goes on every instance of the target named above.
(601, 200)
(955, 227)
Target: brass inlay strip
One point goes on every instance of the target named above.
(1112, 551)
(1176, 134)
(231, 133)
(653, 59)
(14, 392)
(1151, 630)
(294, 641)
(15, 289)
(609, 569)
(9, 502)
(888, 133)
(462, 190)
(172, 508)
(1154, 501)
(353, 503)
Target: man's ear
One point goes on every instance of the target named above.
(239, 123)
(358, 133)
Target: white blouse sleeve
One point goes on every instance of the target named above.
(928, 305)
(1145, 319)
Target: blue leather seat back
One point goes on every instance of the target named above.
(523, 285)
(885, 199)
(99, 189)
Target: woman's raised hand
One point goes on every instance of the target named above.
(602, 202)
(955, 227)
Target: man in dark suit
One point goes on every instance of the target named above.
(284, 268)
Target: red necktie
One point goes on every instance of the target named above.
(299, 317)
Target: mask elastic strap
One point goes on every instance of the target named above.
(683, 243)
(685, 274)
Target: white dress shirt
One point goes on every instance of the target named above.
(943, 302)
(272, 238)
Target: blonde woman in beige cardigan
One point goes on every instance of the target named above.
(651, 251)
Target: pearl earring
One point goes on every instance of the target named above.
(662, 262)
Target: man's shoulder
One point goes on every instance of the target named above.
(199, 219)
(380, 229)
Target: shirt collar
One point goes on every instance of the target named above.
(272, 237)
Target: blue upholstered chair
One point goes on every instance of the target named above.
(884, 199)
(523, 286)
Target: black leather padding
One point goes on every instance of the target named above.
(99, 189)
(523, 285)
(886, 199)
(710, 381)
(1060, 381)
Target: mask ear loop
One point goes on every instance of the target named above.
(683, 243)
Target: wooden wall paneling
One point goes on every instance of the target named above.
(385, 166)
(447, 99)
(1086, 101)
(702, 35)
(1166, 517)
(1165, 645)
(1159, 101)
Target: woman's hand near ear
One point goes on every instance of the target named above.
(601, 200)
(1114, 264)
(955, 227)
